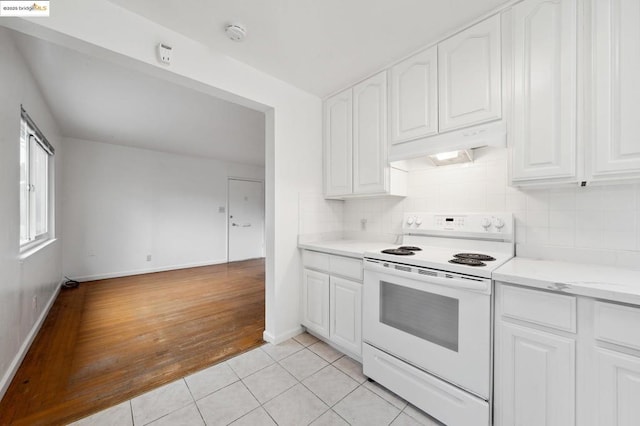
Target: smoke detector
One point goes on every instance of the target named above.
(236, 32)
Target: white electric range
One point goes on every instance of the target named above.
(427, 305)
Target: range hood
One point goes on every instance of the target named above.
(491, 134)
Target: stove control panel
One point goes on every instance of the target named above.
(498, 226)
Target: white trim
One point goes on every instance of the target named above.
(147, 271)
(268, 337)
(17, 360)
(31, 250)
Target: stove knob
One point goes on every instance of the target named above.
(498, 223)
(486, 223)
(418, 221)
(410, 220)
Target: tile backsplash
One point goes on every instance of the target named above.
(319, 218)
(593, 224)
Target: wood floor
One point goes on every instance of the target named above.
(110, 340)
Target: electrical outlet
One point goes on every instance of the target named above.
(148, 258)
(35, 303)
(164, 53)
(363, 224)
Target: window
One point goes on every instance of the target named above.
(35, 184)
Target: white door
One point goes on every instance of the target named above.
(338, 144)
(346, 314)
(535, 378)
(414, 97)
(469, 76)
(544, 90)
(370, 135)
(616, 135)
(315, 302)
(246, 219)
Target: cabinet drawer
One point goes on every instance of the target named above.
(315, 260)
(346, 267)
(539, 307)
(617, 324)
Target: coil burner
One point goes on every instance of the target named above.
(398, 252)
(476, 256)
(468, 262)
(410, 248)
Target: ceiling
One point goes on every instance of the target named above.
(97, 100)
(320, 46)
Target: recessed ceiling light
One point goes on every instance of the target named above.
(236, 32)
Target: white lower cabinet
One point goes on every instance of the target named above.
(615, 365)
(345, 312)
(618, 389)
(550, 375)
(537, 376)
(332, 300)
(315, 306)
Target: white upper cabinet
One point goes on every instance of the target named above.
(370, 135)
(469, 74)
(543, 132)
(615, 147)
(356, 143)
(338, 144)
(414, 97)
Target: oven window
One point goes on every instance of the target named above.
(429, 316)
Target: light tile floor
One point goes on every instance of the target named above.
(302, 381)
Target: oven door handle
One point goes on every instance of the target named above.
(482, 285)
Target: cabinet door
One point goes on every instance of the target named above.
(616, 137)
(535, 378)
(370, 135)
(469, 76)
(618, 389)
(346, 314)
(544, 90)
(414, 97)
(315, 302)
(338, 144)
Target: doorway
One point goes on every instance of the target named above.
(246, 219)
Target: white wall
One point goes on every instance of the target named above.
(122, 204)
(293, 121)
(593, 224)
(39, 274)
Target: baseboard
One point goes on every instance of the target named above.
(17, 360)
(146, 271)
(268, 337)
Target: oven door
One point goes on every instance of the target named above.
(440, 325)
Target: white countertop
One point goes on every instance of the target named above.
(349, 248)
(602, 282)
